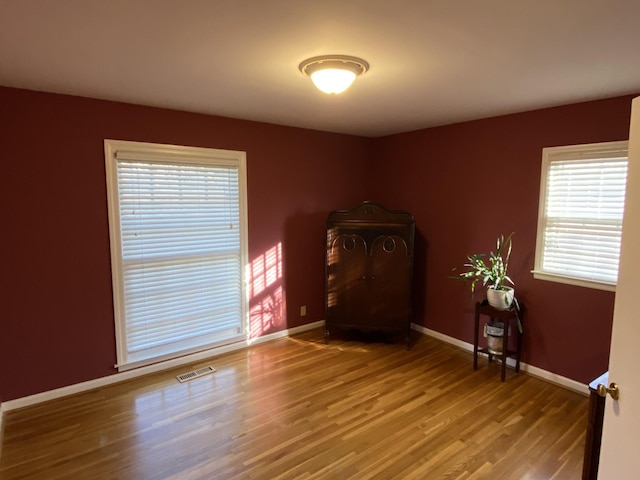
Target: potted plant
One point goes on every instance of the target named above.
(493, 275)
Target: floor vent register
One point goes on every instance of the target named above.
(185, 377)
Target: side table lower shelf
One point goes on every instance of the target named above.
(507, 317)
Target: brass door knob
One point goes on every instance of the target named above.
(612, 390)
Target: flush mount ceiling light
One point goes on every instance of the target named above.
(333, 73)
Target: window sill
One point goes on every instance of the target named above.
(578, 282)
(187, 356)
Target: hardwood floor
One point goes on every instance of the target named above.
(298, 409)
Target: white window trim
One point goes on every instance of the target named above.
(171, 153)
(605, 149)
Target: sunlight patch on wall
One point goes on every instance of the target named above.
(266, 301)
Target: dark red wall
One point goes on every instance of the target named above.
(56, 312)
(466, 184)
(56, 324)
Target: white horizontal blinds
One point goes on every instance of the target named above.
(181, 255)
(584, 208)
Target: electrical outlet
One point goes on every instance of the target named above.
(303, 311)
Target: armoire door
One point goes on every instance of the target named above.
(389, 285)
(348, 280)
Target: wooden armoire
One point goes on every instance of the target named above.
(369, 268)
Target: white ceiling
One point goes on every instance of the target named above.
(433, 62)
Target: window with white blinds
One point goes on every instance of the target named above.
(178, 241)
(582, 194)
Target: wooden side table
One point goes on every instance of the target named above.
(509, 319)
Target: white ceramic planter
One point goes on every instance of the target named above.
(500, 299)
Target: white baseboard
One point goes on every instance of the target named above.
(286, 333)
(128, 375)
(530, 369)
(138, 372)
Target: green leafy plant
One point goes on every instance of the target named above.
(494, 273)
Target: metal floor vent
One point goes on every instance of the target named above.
(185, 377)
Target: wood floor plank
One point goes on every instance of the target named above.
(296, 408)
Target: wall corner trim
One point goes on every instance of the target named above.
(1, 425)
(138, 372)
(524, 367)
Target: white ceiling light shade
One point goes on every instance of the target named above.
(333, 73)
